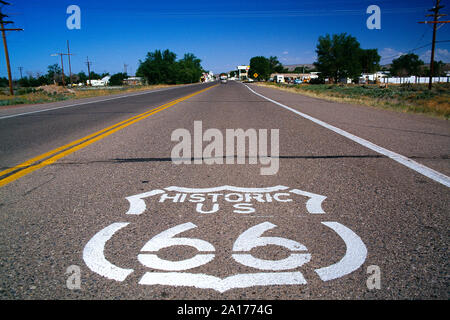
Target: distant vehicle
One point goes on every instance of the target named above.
(250, 80)
(297, 81)
(223, 78)
(278, 78)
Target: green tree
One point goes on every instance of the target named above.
(117, 79)
(438, 70)
(54, 73)
(260, 65)
(338, 56)
(406, 65)
(4, 82)
(82, 77)
(95, 76)
(189, 69)
(158, 67)
(24, 82)
(370, 60)
(162, 67)
(275, 65)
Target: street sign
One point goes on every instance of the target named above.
(255, 75)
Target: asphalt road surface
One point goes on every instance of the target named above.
(357, 208)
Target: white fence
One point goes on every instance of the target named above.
(414, 79)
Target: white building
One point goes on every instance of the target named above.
(243, 72)
(207, 76)
(373, 77)
(133, 81)
(99, 83)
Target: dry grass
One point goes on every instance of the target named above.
(53, 93)
(403, 98)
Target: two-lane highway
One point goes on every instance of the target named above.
(115, 218)
(26, 133)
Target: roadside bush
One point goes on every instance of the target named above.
(317, 81)
(24, 91)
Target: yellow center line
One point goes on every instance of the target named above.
(58, 153)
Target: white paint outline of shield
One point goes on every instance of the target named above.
(138, 205)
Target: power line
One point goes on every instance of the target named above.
(436, 16)
(415, 49)
(5, 45)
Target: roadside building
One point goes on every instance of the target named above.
(207, 77)
(243, 72)
(133, 81)
(99, 83)
(373, 77)
(291, 77)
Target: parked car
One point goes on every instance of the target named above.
(297, 81)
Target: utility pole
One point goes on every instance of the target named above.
(125, 68)
(89, 69)
(70, 68)
(20, 70)
(62, 63)
(5, 45)
(435, 21)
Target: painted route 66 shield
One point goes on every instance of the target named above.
(223, 238)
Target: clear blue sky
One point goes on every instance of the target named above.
(223, 34)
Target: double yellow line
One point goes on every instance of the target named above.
(52, 156)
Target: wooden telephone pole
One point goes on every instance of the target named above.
(62, 63)
(88, 63)
(435, 21)
(5, 45)
(70, 67)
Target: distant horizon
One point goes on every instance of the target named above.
(222, 35)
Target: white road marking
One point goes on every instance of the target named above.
(355, 254)
(276, 271)
(166, 239)
(94, 257)
(251, 238)
(428, 172)
(229, 188)
(314, 204)
(204, 281)
(83, 103)
(137, 203)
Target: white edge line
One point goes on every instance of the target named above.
(88, 102)
(428, 172)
